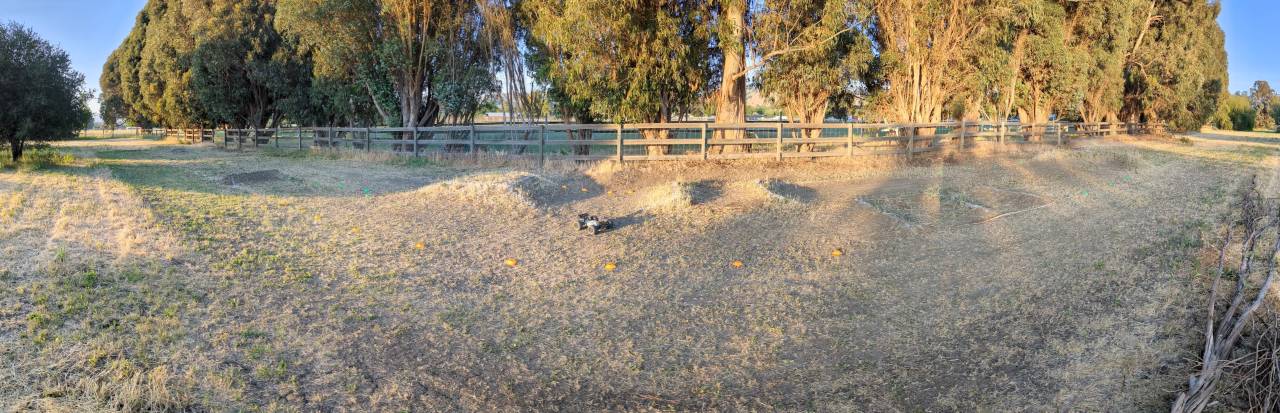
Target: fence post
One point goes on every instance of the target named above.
(779, 149)
(1059, 128)
(619, 135)
(415, 141)
(471, 145)
(299, 130)
(848, 150)
(911, 141)
(704, 141)
(368, 139)
(542, 146)
(964, 128)
(275, 138)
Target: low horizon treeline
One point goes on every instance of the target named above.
(265, 63)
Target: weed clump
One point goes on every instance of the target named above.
(37, 158)
(671, 197)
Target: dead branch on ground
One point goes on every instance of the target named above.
(1255, 220)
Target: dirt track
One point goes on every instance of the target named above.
(1055, 279)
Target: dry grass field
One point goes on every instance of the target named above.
(147, 276)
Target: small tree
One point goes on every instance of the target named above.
(43, 97)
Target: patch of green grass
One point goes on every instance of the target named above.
(38, 158)
(412, 162)
(251, 334)
(132, 154)
(161, 176)
(295, 154)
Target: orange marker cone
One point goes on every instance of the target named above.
(512, 262)
(736, 264)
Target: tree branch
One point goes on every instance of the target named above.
(765, 59)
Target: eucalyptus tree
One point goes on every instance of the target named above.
(731, 39)
(746, 29)
(244, 72)
(1101, 35)
(164, 65)
(111, 106)
(1047, 68)
(43, 97)
(926, 50)
(647, 62)
(121, 86)
(1176, 71)
(804, 82)
(417, 62)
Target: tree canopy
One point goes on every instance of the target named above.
(427, 62)
(43, 97)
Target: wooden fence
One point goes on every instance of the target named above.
(660, 141)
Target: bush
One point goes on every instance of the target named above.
(1240, 111)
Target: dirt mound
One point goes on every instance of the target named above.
(785, 192)
(517, 189)
(674, 196)
(255, 177)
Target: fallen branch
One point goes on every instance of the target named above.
(1006, 214)
(1257, 218)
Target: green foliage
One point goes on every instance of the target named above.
(646, 62)
(1263, 100)
(1240, 113)
(426, 62)
(208, 63)
(837, 54)
(1178, 72)
(1275, 108)
(40, 157)
(1264, 120)
(41, 97)
(413, 62)
(243, 71)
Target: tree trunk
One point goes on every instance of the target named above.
(731, 100)
(15, 148)
(656, 150)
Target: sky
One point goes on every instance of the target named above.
(1253, 48)
(90, 29)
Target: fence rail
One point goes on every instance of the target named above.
(660, 141)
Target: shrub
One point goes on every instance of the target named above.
(1241, 113)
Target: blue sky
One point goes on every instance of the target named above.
(90, 29)
(1253, 49)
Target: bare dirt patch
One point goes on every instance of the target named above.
(255, 177)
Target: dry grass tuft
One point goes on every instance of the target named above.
(782, 192)
(509, 189)
(673, 197)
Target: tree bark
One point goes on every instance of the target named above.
(731, 100)
(15, 149)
